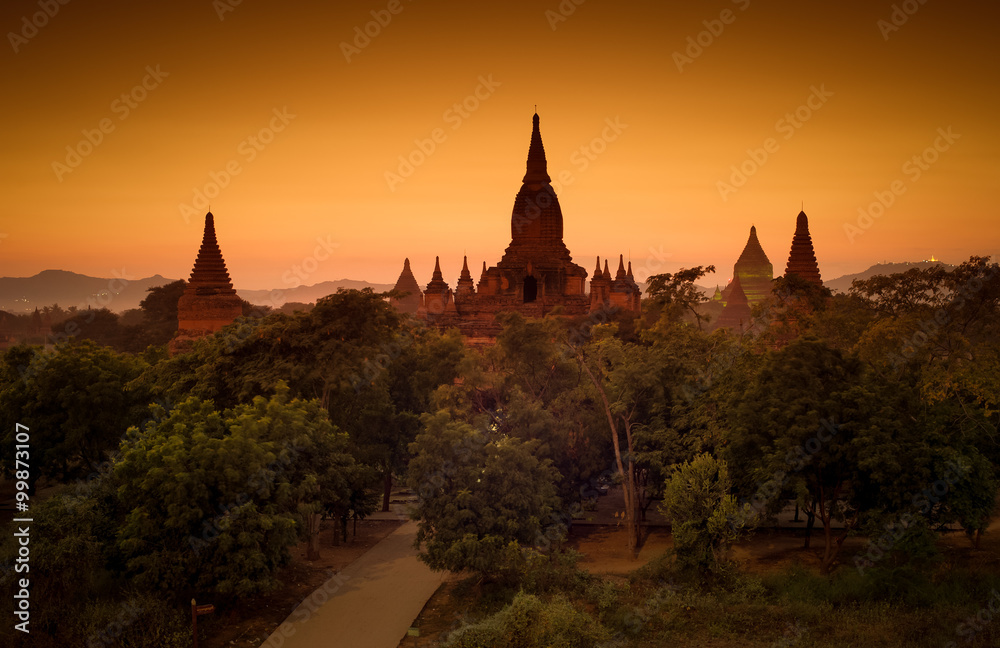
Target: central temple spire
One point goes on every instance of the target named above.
(537, 218)
(537, 172)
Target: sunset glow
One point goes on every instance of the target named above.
(669, 131)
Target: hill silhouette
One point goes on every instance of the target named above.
(24, 294)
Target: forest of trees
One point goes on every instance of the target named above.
(875, 411)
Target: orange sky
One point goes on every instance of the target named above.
(872, 98)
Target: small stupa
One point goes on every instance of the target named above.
(412, 299)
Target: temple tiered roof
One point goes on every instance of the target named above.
(209, 275)
(802, 257)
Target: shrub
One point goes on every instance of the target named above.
(528, 622)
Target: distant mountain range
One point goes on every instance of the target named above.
(24, 294)
(843, 284)
(307, 294)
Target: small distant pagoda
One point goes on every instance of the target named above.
(802, 257)
(209, 301)
(410, 298)
(754, 271)
(735, 314)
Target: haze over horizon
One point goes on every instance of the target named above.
(295, 122)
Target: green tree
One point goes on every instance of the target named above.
(795, 430)
(214, 498)
(630, 383)
(78, 400)
(482, 497)
(701, 510)
(675, 295)
(159, 316)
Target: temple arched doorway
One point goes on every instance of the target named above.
(530, 289)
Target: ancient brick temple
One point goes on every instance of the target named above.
(209, 301)
(535, 275)
(754, 270)
(751, 284)
(802, 257)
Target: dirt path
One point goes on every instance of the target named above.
(369, 604)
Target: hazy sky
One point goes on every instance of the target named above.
(121, 115)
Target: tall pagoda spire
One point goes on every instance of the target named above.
(537, 171)
(802, 257)
(209, 275)
(537, 218)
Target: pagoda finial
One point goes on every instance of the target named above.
(607, 273)
(620, 274)
(597, 270)
(537, 169)
(437, 276)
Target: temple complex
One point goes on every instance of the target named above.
(802, 257)
(209, 301)
(535, 275)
